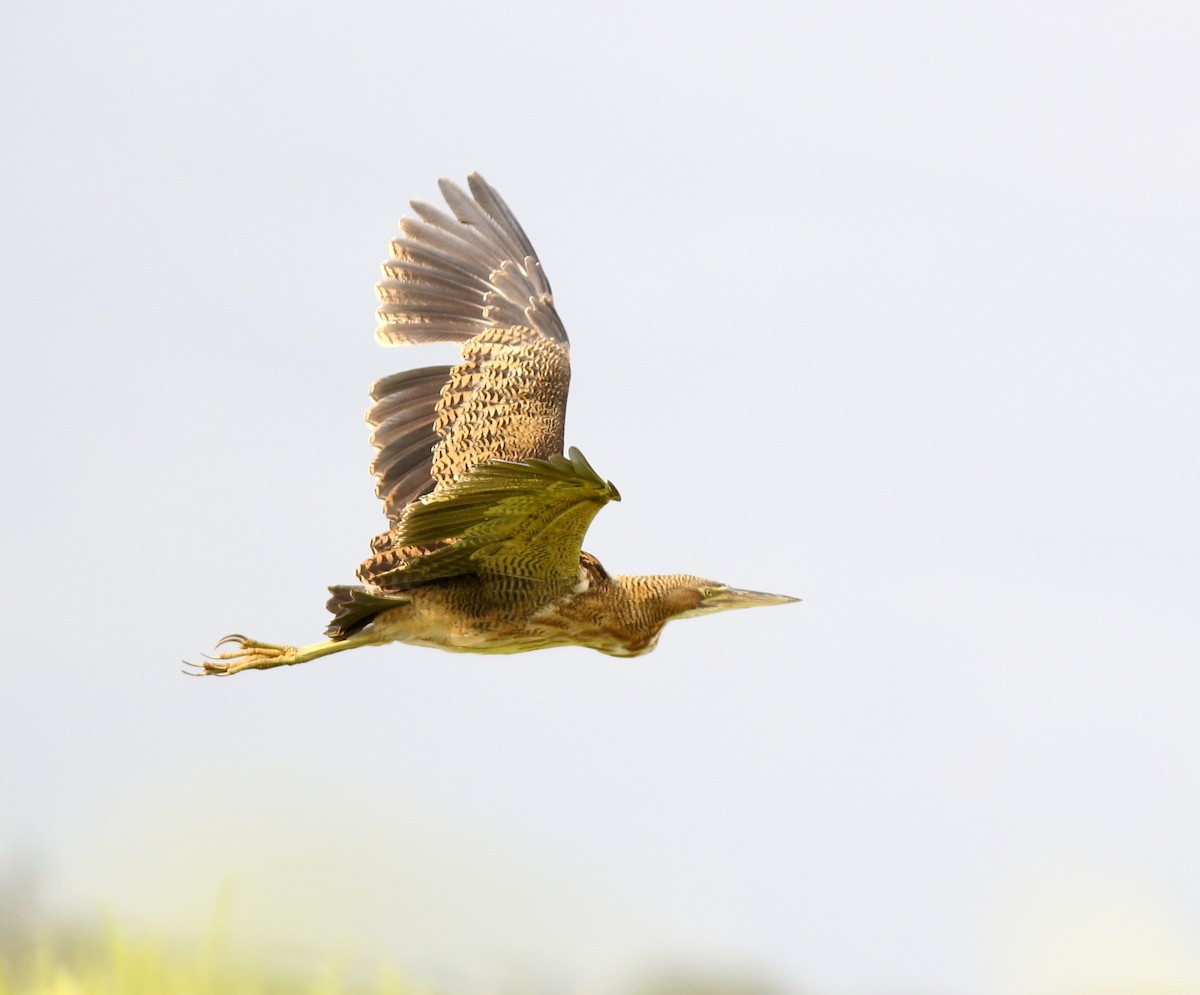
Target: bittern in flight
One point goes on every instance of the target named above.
(487, 516)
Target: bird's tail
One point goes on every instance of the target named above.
(354, 608)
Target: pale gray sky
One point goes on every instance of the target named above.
(890, 307)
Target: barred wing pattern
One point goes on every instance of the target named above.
(402, 419)
(472, 278)
(521, 521)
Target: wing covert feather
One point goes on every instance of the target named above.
(522, 520)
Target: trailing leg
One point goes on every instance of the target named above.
(253, 655)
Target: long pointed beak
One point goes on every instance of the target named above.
(731, 597)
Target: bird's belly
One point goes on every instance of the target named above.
(545, 630)
(466, 635)
(488, 639)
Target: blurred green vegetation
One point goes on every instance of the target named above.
(43, 954)
(106, 959)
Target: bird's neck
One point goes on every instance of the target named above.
(619, 615)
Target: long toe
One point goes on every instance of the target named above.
(250, 654)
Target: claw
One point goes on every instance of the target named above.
(200, 670)
(246, 654)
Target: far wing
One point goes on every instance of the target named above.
(521, 521)
(470, 277)
(402, 419)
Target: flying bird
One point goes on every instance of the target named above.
(487, 516)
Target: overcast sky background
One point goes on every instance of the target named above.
(893, 308)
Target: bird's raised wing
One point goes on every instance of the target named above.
(520, 521)
(473, 278)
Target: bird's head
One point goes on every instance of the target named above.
(649, 603)
(684, 596)
(697, 596)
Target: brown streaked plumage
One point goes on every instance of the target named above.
(486, 514)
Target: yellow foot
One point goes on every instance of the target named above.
(249, 655)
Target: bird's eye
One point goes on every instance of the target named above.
(709, 592)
